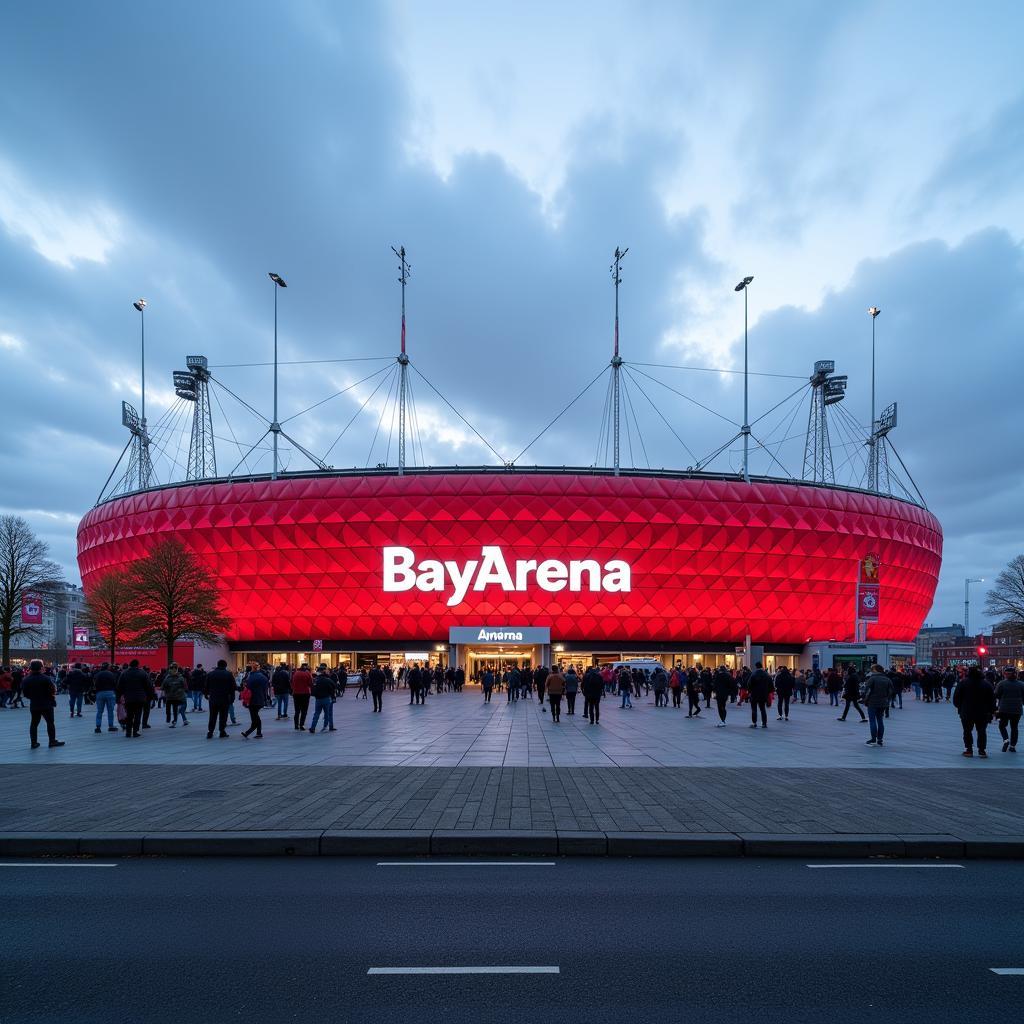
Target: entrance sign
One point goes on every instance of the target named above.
(499, 635)
(401, 572)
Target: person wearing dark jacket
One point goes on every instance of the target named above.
(723, 686)
(105, 683)
(572, 687)
(877, 696)
(487, 685)
(323, 694)
(851, 694)
(975, 701)
(220, 694)
(135, 686)
(282, 683)
(42, 699)
(76, 682)
(375, 683)
(759, 685)
(593, 691)
(259, 687)
(784, 691)
(1010, 698)
(175, 688)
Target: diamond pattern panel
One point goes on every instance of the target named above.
(301, 558)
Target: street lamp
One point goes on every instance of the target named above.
(745, 430)
(873, 311)
(140, 305)
(275, 427)
(967, 603)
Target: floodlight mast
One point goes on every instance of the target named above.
(616, 363)
(745, 429)
(405, 269)
(275, 427)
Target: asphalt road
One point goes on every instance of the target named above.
(638, 940)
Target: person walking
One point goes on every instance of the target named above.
(554, 686)
(659, 683)
(323, 695)
(851, 694)
(375, 684)
(877, 695)
(813, 685)
(302, 688)
(41, 692)
(106, 698)
(975, 701)
(174, 695)
(593, 691)
(76, 682)
(572, 687)
(625, 688)
(195, 686)
(136, 688)
(258, 686)
(723, 685)
(282, 684)
(760, 687)
(1010, 704)
(220, 688)
(784, 691)
(488, 685)
(692, 693)
(675, 684)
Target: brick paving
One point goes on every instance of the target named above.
(154, 798)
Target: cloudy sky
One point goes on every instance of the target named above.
(845, 155)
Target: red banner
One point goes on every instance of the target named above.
(151, 657)
(81, 636)
(867, 602)
(31, 610)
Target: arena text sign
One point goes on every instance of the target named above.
(403, 572)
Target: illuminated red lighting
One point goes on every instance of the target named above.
(709, 560)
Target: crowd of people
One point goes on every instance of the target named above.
(125, 696)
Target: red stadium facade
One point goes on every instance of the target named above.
(641, 562)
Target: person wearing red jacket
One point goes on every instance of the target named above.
(302, 687)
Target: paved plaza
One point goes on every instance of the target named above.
(460, 730)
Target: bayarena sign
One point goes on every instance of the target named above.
(588, 555)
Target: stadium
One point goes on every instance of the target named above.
(467, 565)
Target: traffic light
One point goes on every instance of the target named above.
(982, 650)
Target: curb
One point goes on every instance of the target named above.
(424, 843)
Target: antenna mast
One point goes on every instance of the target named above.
(405, 269)
(616, 272)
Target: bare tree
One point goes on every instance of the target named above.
(1005, 601)
(112, 610)
(25, 567)
(175, 597)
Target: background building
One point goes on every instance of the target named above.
(929, 636)
(62, 611)
(1002, 649)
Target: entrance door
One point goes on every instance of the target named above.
(500, 658)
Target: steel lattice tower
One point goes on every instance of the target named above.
(193, 385)
(826, 390)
